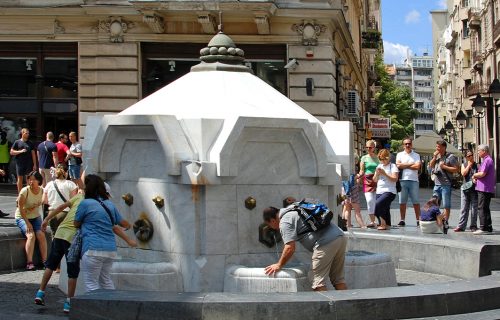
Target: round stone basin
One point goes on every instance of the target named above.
(362, 269)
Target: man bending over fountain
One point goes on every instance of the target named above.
(328, 246)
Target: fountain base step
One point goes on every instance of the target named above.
(363, 269)
(136, 275)
(133, 275)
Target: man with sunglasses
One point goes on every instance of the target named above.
(443, 165)
(408, 163)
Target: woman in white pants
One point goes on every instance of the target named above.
(97, 216)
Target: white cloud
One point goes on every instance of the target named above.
(442, 4)
(395, 52)
(412, 17)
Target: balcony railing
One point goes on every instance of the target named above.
(474, 18)
(476, 88)
(371, 39)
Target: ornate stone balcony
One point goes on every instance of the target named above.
(496, 34)
(371, 39)
(476, 88)
(474, 18)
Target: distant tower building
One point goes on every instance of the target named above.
(416, 73)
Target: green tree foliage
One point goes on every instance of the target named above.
(395, 101)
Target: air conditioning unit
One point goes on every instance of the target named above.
(355, 120)
(352, 103)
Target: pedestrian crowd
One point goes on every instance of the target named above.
(79, 209)
(54, 190)
(382, 181)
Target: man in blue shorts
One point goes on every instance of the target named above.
(443, 165)
(408, 162)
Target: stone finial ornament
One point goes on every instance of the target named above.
(221, 54)
(250, 203)
(128, 198)
(159, 201)
(310, 31)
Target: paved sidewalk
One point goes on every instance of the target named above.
(18, 291)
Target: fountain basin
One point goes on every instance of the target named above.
(254, 280)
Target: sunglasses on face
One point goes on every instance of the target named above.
(370, 147)
(407, 144)
(469, 155)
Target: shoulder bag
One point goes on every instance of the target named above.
(75, 250)
(398, 182)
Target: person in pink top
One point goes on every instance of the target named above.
(485, 187)
(62, 149)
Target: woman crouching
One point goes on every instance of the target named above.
(431, 218)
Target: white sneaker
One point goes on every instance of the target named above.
(479, 232)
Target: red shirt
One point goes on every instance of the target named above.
(61, 151)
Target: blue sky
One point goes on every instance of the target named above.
(406, 25)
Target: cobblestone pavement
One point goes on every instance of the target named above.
(18, 290)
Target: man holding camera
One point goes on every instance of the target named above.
(443, 165)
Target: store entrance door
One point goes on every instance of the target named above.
(60, 124)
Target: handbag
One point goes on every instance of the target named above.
(468, 186)
(369, 184)
(398, 182)
(75, 249)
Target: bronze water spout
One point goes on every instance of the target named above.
(159, 202)
(128, 198)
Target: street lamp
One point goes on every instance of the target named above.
(442, 133)
(461, 123)
(494, 92)
(449, 129)
(478, 104)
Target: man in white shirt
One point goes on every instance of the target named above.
(408, 162)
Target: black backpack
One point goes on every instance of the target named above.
(315, 216)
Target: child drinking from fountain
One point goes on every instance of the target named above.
(350, 190)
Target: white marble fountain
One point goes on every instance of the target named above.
(205, 144)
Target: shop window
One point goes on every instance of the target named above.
(18, 77)
(60, 78)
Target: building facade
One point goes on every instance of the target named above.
(416, 74)
(64, 60)
(468, 62)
